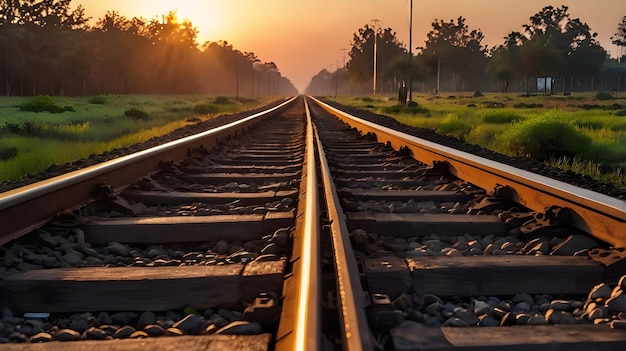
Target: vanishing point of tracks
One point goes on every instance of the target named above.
(303, 228)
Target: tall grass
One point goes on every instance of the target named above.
(546, 127)
(32, 141)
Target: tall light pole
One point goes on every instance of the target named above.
(411, 53)
(375, 48)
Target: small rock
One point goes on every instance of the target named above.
(174, 332)
(560, 305)
(522, 318)
(139, 334)
(487, 321)
(508, 319)
(154, 330)
(123, 318)
(467, 317)
(617, 304)
(124, 332)
(598, 312)
(241, 328)
(523, 297)
(190, 324)
(67, 335)
(537, 319)
(573, 244)
(79, 325)
(600, 291)
(146, 318)
(521, 307)
(622, 282)
(481, 307)
(41, 337)
(103, 318)
(433, 308)
(560, 317)
(455, 322)
(118, 249)
(94, 333)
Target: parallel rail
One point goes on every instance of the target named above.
(602, 216)
(30, 206)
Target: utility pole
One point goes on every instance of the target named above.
(376, 21)
(411, 53)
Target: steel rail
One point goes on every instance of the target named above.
(351, 296)
(600, 215)
(304, 331)
(26, 208)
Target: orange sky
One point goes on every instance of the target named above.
(303, 37)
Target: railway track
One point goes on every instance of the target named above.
(275, 233)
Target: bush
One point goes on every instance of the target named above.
(204, 109)
(542, 138)
(97, 100)
(367, 99)
(455, 126)
(222, 100)
(28, 128)
(502, 117)
(7, 152)
(413, 110)
(137, 113)
(44, 103)
(603, 95)
(621, 113)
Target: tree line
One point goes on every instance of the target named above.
(552, 44)
(46, 48)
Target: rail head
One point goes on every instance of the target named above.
(350, 293)
(598, 214)
(21, 211)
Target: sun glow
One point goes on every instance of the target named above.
(209, 17)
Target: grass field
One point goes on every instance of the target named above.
(79, 126)
(582, 132)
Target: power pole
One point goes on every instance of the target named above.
(376, 21)
(411, 53)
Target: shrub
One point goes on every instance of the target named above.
(542, 138)
(203, 109)
(621, 113)
(43, 103)
(502, 117)
(97, 100)
(453, 125)
(222, 100)
(413, 110)
(137, 113)
(603, 95)
(367, 99)
(7, 152)
(28, 128)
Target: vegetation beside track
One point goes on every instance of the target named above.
(38, 132)
(585, 133)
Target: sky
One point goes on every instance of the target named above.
(305, 36)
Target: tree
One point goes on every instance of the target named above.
(619, 38)
(580, 53)
(360, 66)
(505, 65)
(457, 50)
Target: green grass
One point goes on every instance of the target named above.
(587, 129)
(31, 141)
